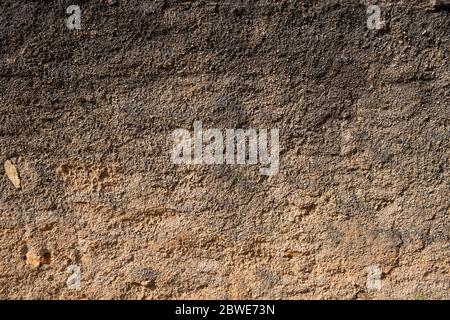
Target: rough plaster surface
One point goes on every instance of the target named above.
(86, 116)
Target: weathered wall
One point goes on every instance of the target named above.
(86, 116)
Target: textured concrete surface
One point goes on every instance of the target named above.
(86, 178)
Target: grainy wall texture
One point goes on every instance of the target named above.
(91, 205)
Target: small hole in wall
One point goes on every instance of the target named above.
(46, 258)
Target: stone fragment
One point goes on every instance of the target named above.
(12, 173)
(37, 259)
